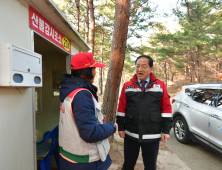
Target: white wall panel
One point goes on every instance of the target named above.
(16, 123)
(14, 25)
(74, 50)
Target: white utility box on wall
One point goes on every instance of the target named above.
(19, 67)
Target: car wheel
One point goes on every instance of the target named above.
(181, 130)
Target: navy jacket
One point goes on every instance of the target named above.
(84, 112)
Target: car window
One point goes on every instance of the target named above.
(205, 96)
(189, 92)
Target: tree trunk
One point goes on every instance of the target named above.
(167, 69)
(92, 25)
(165, 72)
(193, 71)
(193, 74)
(216, 63)
(198, 64)
(189, 65)
(101, 69)
(78, 13)
(187, 71)
(87, 21)
(172, 74)
(84, 28)
(190, 73)
(100, 81)
(118, 48)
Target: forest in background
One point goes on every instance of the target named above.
(193, 52)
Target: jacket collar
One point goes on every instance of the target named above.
(152, 78)
(69, 83)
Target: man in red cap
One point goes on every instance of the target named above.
(83, 132)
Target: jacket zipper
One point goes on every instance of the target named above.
(136, 84)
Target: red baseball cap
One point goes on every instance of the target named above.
(84, 60)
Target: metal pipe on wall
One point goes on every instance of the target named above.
(33, 111)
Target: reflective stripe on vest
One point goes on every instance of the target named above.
(72, 95)
(71, 157)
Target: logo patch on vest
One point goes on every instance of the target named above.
(130, 87)
(156, 86)
(62, 108)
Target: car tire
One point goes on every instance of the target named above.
(181, 130)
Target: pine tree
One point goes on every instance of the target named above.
(116, 59)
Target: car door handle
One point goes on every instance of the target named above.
(186, 105)
(216, 116)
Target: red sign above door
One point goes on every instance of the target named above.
(38, 23)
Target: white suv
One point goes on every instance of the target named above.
(197, 113)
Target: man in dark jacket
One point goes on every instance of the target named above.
(144, 115)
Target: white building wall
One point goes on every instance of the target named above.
(16, 122)
(16, 115)
(73, 49)
(14, 25)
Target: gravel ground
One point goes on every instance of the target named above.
(166, 160)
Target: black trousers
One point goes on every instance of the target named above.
(131, 153)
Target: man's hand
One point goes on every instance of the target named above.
(165, 137)
(122, 134)
(116, 125)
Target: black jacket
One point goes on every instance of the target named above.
(144, 115)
